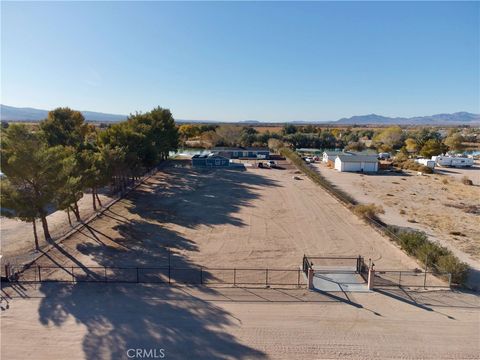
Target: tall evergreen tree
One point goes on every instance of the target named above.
(34, 172)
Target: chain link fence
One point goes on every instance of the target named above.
(160, 275)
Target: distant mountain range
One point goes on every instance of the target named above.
(10, 113)
(439, 119)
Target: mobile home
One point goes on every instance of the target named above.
(210, 161)
(452, 161)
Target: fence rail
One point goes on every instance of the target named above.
(160, 275)
(397, 278)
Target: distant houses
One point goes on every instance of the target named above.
(251, 153)
(210, 161)
(221, 157)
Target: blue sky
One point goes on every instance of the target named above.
(235, 61)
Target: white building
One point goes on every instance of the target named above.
(331, 155)
(360, 163)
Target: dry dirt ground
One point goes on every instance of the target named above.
(230, 218)
(439, 204)
(17, 236)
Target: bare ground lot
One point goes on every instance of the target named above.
(439, 204)
(17, 236)
(223, 218)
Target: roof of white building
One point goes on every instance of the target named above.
(358, 158)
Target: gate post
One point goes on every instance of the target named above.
(310, 278)
(371, 277)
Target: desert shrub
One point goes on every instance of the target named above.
(410, 241)
(445, 181)
(368, 211)
(466, 181)
(412, 165)
(403, 212)
(439, 258)
(451, 264)
(401, 157)
(425, 169)
(430, 252)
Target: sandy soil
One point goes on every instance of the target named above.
(97, 321)
(437, 204)
(225, 218)
(17, 236)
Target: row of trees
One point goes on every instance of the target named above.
(424, 141)
(51, 168)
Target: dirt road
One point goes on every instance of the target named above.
(97, 321)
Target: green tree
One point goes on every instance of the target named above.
(64, 126)
(71, 191)
(16, 203)
(289, 129)
(67, 127)
(454, 141)
(411, 145)
(94, 172)
(390, 138)
(432, 148)
(34, 172)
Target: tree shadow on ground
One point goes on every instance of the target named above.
(191, 198)
(125, 316)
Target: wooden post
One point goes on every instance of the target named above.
(266, 277)
(234, 277)
(39, 274)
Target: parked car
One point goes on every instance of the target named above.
(271, 164)
(309, 160)
(260, 165)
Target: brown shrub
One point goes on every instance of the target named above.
(466, 181)
(368, 211)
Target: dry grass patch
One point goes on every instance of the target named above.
(466, 181)
(368, 211)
